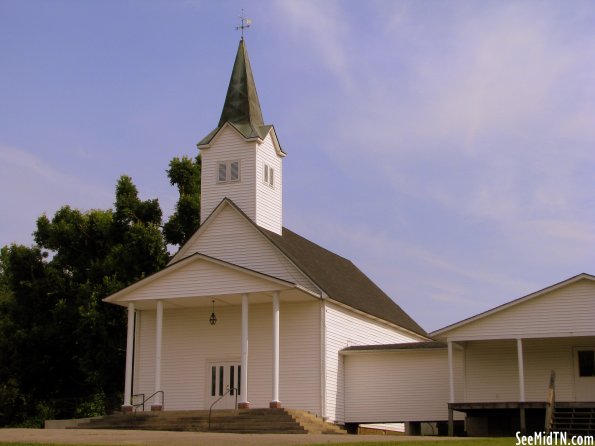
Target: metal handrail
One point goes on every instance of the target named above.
(550, 403)
(140, 404)
(229, 389)
(147, 399)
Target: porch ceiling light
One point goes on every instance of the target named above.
(213, 318)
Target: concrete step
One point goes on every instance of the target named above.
(314, 424)
(240, 421)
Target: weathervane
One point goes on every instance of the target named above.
(245, 23)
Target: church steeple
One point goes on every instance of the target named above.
(242, 158)
(241, 107)
(241, 103)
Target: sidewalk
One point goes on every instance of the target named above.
(120, 437)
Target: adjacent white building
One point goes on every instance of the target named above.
(494, 368)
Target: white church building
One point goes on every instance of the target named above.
(284, 306)
(253, 314)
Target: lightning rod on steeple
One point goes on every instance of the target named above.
(245, 23)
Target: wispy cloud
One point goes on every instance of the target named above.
(417, 277)
(504, 109)
(325, 27)
(32, 186)
(482, 115)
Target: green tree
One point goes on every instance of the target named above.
(62, 348)
(185, 174)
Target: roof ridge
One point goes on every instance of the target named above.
(372, 300)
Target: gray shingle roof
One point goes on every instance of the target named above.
(340, 279)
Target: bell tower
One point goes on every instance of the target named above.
(241, 157)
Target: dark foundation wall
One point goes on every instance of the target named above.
(502, 422)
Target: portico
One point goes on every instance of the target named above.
(256, 290)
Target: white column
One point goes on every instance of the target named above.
(275, 403)
(243, 403)
(158, 338)
(519, 349)
(451, 385)
(451, 378)
(129, 358)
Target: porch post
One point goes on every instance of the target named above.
(244, 404)
(519, 348)
(275, 403)
(451, 385)
(158, 336)
(127, 406)
(451, 378)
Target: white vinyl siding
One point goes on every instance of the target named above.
(568, 310)
(190, 343)
(229, 146)
(398, 386)
(492, 369)
(201, 278)
(542, 356)
(232, 239)
(269, 196)
(345, 328)
(491, 373)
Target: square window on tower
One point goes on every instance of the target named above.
(228, 171)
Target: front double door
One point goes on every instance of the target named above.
(224, 384)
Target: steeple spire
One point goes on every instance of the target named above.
(241, 103)
(241, 108)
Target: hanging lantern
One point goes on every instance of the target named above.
(213, 318)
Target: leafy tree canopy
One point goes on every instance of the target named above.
(185, 174)
(62, 348)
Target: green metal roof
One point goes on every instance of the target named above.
(241, 108)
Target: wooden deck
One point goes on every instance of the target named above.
(494, 406)
(466, 407)
(490, 407)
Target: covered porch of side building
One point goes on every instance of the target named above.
(204, 301)
(507, 383)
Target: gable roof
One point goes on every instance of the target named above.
(340, 279)
(448, 328)
(336, 276)
(117, 296)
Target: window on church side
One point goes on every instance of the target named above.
(228, 171)
(586, 363)
(269, 175)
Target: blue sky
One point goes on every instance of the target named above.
(447, 148)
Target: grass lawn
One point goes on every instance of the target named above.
(510, 441)
(446, 442)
